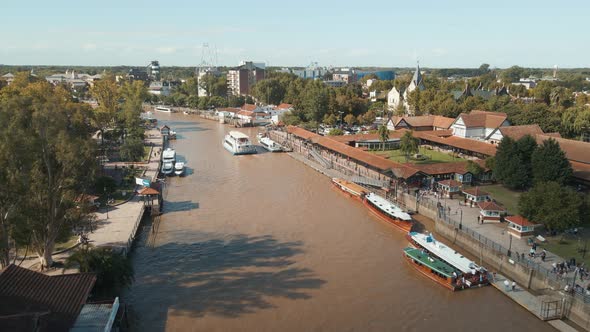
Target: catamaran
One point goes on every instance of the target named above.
(169, 156)
(238, 143)
(269, 144)
(168, 168)
(473, 273)
(388, 211)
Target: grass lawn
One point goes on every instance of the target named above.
(569, 246)
(433, 156)
(146, 152)
(508, 198)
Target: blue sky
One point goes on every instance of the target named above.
(296, 32)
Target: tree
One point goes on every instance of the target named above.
(335, 132)
(526, 146)
(330, 119)
(106, 93)
(113, 270)
(132, 150)
(474, 168)
(61, 163)
(369, 118)
(551, 204)
(409, 144)
(350, 119)
(549, 163)
(383, 135)
(134, 94)
(509, 168)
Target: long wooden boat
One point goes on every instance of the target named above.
(388, 211)
(474, 274)
(350, 188)
(434, 268)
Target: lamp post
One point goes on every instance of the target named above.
(461, 219)
(510, 246)
(107, 203)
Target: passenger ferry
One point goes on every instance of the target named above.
(434, 268)
(169, 156)
(388, 211)
(473, 274)
(238, 143)
(352, 189)
(269, 144)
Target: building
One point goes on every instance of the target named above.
(137, 74)
(395, 98)
(8, 78)
(475, 195)
(241, 79)
(420, 123)
(346, 75)
(384, 75)
(480, 125)
(153, 71)
(490, 211)
(519, 226)
(479, 92)
(160, 88)
(449, 188)
(73, 79)
(32, 301)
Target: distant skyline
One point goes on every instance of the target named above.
(338, 33)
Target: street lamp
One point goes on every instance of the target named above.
(510, 246)
(461, 220)
(107, 203)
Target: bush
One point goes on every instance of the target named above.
(113, 270)
(132, 150)
(105, 184)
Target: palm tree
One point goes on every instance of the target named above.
(409, 144)
(383, 135)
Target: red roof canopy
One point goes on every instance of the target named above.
(520, 220)
(148, 191)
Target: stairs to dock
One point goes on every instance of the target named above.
(369, 181)
(325, 163)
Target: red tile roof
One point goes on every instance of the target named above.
(228, 109)
(581, 170)
(283, 106)
(424, 121)
(62, 296)
(148, 191)
(246, 113)
(450, 183)
(519, 220)
(459, 167)
(482, 119)
(249, 107)
(574, 150)
(475, 191)
(516, 132)
(301, 133)
(459, 142)
(490, 206)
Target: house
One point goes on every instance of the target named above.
(241, 79)
(577, 152)
(420, 123)
(32, 301)
(517, 132)
(449, 187)
(280, 109)
(475, 195)
(480, 125)
(8, 78)
(394, 99)
(490, 211)
(478, 92)
(519, 226)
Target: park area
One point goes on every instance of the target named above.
(569, 245)
(425, 156)
(506, 197)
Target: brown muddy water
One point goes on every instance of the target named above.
(264, 243)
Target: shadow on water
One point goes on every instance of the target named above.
(180, 206)
(189, 129)
(225, 276)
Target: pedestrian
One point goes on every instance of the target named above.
(507, 285)
(513, 286)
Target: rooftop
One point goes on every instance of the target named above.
(475, 191)
(519, 220)
(490, 206)
(477, 118)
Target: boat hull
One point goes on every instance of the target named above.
(347, 191)
(404, 226)
(426, 271)
(230, 149)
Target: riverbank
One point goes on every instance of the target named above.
(527, 300)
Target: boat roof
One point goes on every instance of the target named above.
(350, 185)
(168, 153)
(237, 134)
(447, 254)
(433, 263)
(388, 207)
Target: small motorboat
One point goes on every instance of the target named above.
(179, 168)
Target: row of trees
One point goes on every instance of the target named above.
(520, 164)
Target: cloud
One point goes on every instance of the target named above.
(166, 50)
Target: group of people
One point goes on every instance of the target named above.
(507, 285)
(564, 267)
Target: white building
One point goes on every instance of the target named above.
(480, 125)
(395, 97)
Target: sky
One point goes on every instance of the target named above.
(379, 33)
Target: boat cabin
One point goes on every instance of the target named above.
(165, 130)
(519, 226)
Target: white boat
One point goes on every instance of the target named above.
(238, 143)
(163, 109)
(270, 145)
(169, 156)
(427, 242)
(167, 168)
(179, 168)
(387, 207)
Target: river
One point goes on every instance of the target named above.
(264, 243)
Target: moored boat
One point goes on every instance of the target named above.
(351, 188)
(433, 268)
(179, 168)
(388, 211)
(270, 145)
(474, 274)
(167, 168)
(238, 143)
